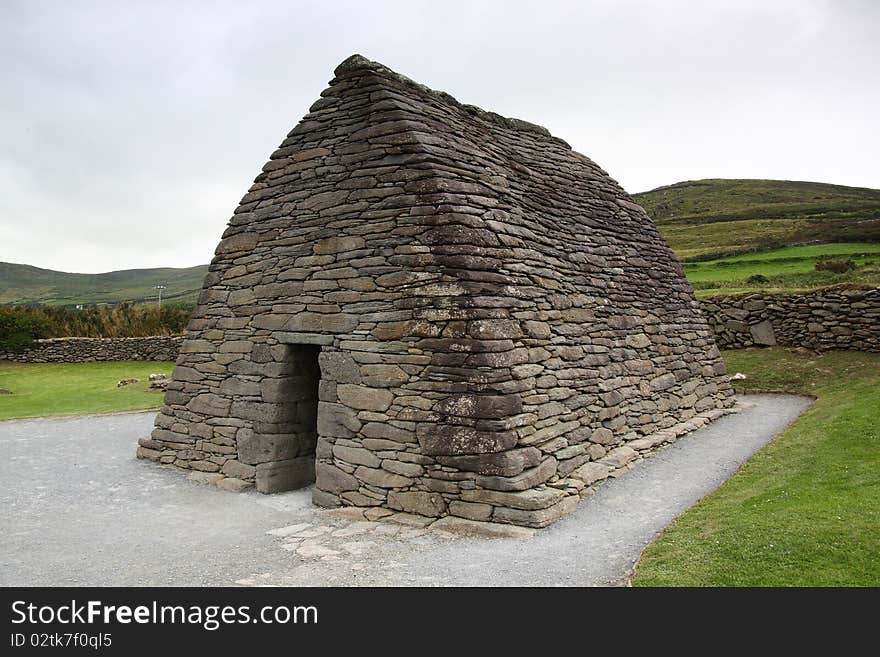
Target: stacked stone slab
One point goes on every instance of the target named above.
(82, 350)
(830, 318)
(493, 319)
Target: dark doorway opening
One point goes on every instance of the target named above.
(305, 377)
(294, 431)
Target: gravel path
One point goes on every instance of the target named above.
(76, 508)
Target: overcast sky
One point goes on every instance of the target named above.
(130, 130)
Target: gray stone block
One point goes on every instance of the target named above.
(763, 334)
(331, 479)
(526, 479)
(364, 398)
(277, 476)
(422, 503)
(504, 464)
(536, 518)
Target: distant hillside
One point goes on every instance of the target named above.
(21, 284)
(702, 219)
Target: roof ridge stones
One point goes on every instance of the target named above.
(357, 64)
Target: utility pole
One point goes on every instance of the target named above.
(160, 288)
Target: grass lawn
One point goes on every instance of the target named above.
(788, 269)
(811, 252)
(695, 241)
(805, 510)
(77, 388)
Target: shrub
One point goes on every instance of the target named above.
(757, 279)
(19, 328)
(122, 320)
(835, 266)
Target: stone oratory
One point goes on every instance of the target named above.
(427, 307)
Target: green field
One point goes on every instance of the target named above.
(52, 389)
(23, 284)
(805, 510)
(791, 268)
(709, 219)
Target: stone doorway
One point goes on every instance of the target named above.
(296, 429)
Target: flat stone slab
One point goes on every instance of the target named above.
(78, 509)
(289, 530)
(476, 528)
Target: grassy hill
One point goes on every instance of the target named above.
(20, 284)
(738, 236)
(708, 219)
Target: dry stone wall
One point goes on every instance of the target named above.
(81, 350)
(833, 318)
(437, 310)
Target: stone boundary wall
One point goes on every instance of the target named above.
(833, 318)
(82, 350)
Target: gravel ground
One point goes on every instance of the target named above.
(76, 508)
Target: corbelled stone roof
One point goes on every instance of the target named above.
(438, 310)
(359, 63)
